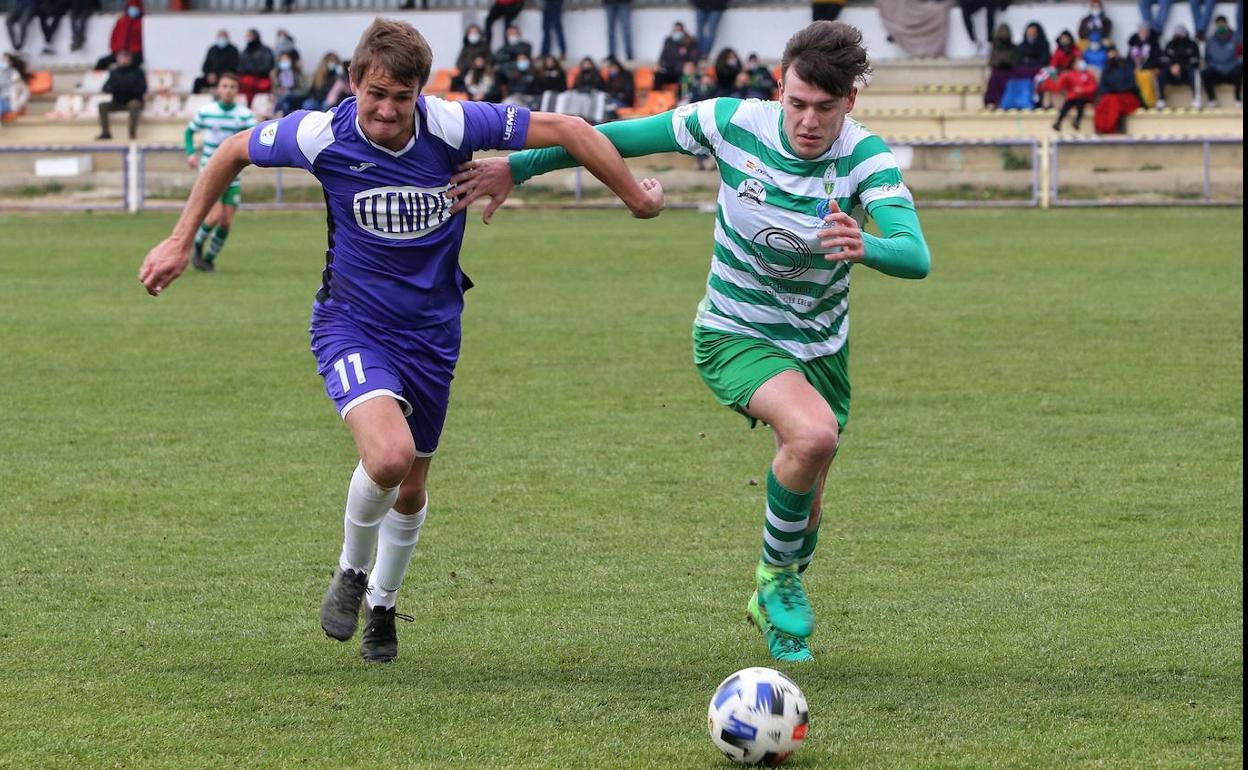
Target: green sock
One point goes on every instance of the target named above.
(202, 234)
(218, 240)
(806, 554)
(784, 528)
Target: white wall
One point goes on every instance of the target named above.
(179, 40)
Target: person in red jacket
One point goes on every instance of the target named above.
(127, 36)
(1079, 85)
(1065, 54)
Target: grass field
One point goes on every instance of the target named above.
(1031, 558)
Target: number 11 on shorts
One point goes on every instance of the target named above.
(341, 367)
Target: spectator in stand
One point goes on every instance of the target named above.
(289, 86)
(327, 73)
(707, 15)
(1145, 54)
(1156, 21)
(552, 28)
(14, 86)
(619, 15)
(222, 57)
(706, 88)
(79, 14)
(1095, 21)
(727, 67)
(255, 67)
(826, 10)
(689, 80)
(762, 82)
(1224, 62)
(620, 86)
(127, 36)
(50, 13)
(478, 79)
(1202, 15)
(507, 10)
(127, 84)
(1001, 62)
(969, 9)
(1096, 53)
(1034, 51)
(1180, 63)
(588, 78)
(286, 44)
(521, 85)
(1079, 86)
(505, 58)
(1118, 97)
(1065, 54)
(551, 76)
(287, 6)
(678, 49)
(18, 21)
(474, 46)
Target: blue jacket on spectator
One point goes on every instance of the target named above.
(1220, 51)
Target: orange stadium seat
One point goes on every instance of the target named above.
(440, 84)
(40, 82)
(655, 102)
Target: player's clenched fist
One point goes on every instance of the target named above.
(842, 239)
(162, 265)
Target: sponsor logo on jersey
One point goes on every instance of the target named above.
(758, 170)
(752, 191)
(509, 123)
(268, 134)
(401, 213)
(362, 167)
(685, 111)
(781, 253)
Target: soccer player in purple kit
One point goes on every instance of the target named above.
(386, 321)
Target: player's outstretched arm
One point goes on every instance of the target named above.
(899, 250)
(166, 261)
(596, 153)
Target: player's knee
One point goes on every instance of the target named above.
(388, 466)
(816, 444)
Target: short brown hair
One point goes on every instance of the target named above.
(827, 54)
(228, 76)
(396, 48)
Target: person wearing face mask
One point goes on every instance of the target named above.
(1180, 63)
(1144, 51)
(1095, 21)
(520, 84)
(289, 85)
(1224, 62)
(550, 75)
(127, 36)
(1065, 54)
(327, 73)
(620, 86)
(256, 63)
(678, 48)
(505, 57)
(507, 11)
(587, 97)
(222, 57)
(770, 337)
(479, 79)
(1096, 53)
(619, 16)
(474, 46)
(286, 45)
(762, 82)
(1079, 86)
(727, 67)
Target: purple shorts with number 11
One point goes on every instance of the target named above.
(414, 366)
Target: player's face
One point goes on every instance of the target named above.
(386, 108)
(227, 89)
(813, 118)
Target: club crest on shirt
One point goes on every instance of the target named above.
(829, 179)
(401, 213)
(752, 191)
(268, 134)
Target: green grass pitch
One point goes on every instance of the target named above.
(1031, 558)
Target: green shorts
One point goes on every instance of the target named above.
(734, 366)
(233, 195)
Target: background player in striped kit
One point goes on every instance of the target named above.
(770, 336)
(218, 121)
(386, 321)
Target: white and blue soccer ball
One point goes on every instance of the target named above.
(758, 716)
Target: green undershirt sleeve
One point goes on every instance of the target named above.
(189, 138)
(899, 250)
(632, 138)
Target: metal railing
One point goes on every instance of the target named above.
(1206, 143)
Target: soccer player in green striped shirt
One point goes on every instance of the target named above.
(217, 121)
(798, 177)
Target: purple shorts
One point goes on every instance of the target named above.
(414, 366)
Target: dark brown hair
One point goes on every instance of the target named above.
(827, 54)
(396, 48)
(229, 76)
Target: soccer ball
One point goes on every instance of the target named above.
(758, 716)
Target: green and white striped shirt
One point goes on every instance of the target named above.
(768, 278)
(218, 122)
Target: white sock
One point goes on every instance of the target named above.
(367, 504)
(399, 535)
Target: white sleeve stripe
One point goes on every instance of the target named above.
(684, 137)
(316, 132)
(446, 120)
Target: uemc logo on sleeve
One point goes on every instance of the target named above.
(400, 213)
(509, 124)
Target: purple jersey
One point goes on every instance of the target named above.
(393, 257)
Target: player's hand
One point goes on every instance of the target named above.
(192, 161)
(842, 233)
(490, 177)
(164, 263)
(652, 190)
